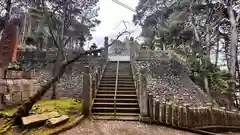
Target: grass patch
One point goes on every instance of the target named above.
(63, 106)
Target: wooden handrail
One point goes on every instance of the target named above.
(116, 83)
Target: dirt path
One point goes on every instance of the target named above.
(93, 127)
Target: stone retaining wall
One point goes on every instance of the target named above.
(19, 85)
(167, 79)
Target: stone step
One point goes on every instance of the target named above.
(114, 76)
(118, 100)
(133, 96)
(121, 105)
(117, 114)
(113, 88)
(118, 109)
(119, 85)
(119, 82)
(119, 79)
(118, 92)
(127, 118)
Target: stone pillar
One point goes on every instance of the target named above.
(131, 48)
(143, 94)
(87, 96)
(106, 48)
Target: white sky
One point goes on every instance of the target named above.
(111, 14)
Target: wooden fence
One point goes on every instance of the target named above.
(179, 115)
(190, 116)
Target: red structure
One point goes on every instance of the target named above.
(8, 43)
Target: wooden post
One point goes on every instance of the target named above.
(200, 116)
(94, 85)
(238, 119)
(223, 119)
(175, 117)
(187, 115)
(157, 112)
(194, 117)
(150, 106)
(181, 116)
(2, 89)
(226, 117)
(87, 97)
(190, 117)
(106, 48)
(137, 77)
(143, 94)
(234, 118)
(169, 113)
(163, 113)
(211, 119)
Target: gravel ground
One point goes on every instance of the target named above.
(99, 127)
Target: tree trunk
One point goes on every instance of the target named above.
(217, 52)
(238, 73)
(206, 58)
(55, 71)
(24, 109)
(233, 51)
(59, 54)
(226, 52)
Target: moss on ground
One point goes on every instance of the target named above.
(64, 106)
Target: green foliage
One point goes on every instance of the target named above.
(218, 80)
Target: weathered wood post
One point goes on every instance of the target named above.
(157, 111)
(187, 115)
(223, 117)
(169, 113)
(175, 117)
(150, 106)
(163, 113)
(210, 107)
(106, 48)
(87, 96)
(181, 116)
(94, 85)
(137, 80)
(2, 89)
(143, 94)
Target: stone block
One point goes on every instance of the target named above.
(16, 97)
(11, 74)
(53, 122)
(38, 119)
(25, 94)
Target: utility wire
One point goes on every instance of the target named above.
(124, 5)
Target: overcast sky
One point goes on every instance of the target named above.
(111, 15)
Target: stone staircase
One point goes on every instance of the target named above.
(125, 107)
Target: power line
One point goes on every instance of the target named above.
(124, 5)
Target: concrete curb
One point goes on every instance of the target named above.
(69, 126)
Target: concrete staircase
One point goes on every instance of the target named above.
(126, 105)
